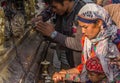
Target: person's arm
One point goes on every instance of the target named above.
(75, 42)
(69, 74)
(61, 76)
(70, 42)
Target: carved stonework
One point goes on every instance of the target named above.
(29, 8)
(4, 74)
(18, 25)
(2, 25)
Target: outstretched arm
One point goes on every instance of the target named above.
(47, 29)
(61, 76)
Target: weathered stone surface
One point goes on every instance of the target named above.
(23, 60)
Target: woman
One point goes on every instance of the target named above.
(99, 35)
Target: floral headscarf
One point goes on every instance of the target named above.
(93, 64)
(105, 46)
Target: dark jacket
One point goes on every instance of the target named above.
(65, 36)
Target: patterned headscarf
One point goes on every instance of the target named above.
(103, 43)
(94, 65)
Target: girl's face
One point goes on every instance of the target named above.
(90, 30)
(95, 77)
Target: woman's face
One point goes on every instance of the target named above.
(90, 30)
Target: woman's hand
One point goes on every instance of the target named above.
(59, 76)
(63, 71)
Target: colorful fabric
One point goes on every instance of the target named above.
(102, 46)
(73, 77)
(80, 67)
(117, 80)
(93, 64)
(86, 20)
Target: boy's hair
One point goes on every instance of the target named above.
(94, 65)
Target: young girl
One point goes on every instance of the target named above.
(95, 71)
(101, 38)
